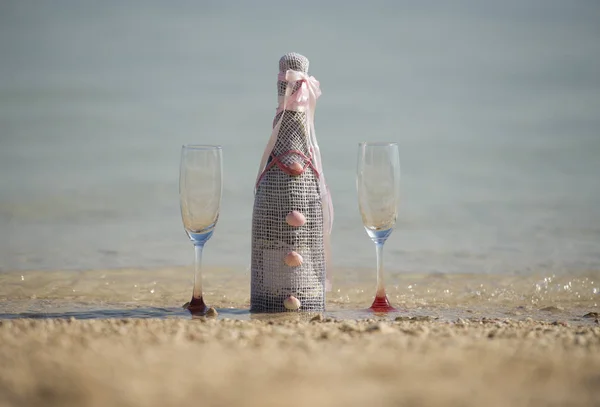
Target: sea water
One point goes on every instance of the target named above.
(495, 107)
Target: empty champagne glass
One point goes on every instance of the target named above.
(378, 187)
(200, 189)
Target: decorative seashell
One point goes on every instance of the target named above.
(292, 303)
(296, 168)
(211, 312)
(295, 218)
(293, 259)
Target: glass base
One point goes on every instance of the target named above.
(382, 304)
(196, 306)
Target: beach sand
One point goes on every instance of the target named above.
(293, 361)
(121, 338)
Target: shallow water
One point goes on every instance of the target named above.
(159, 293)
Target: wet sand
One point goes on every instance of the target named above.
(293, 361)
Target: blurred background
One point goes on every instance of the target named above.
(495, 106)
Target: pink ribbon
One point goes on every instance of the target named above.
(305, 97)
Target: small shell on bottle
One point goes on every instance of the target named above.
(293, 259)
(296, 168)
(292, 303)
(295, 218)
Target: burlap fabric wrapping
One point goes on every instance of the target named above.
(292, 215)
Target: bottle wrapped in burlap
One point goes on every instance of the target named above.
(292, 214)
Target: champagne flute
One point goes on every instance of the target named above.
(378, 187)
(200, 190)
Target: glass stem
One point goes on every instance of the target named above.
(198, 271)
(380, 283)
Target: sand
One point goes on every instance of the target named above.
(293, 361)
(473, 340)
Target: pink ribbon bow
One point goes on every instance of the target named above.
(305, 97)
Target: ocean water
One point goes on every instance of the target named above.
(495, 106)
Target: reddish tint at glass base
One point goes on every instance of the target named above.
(197, 306)
(382, 304)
